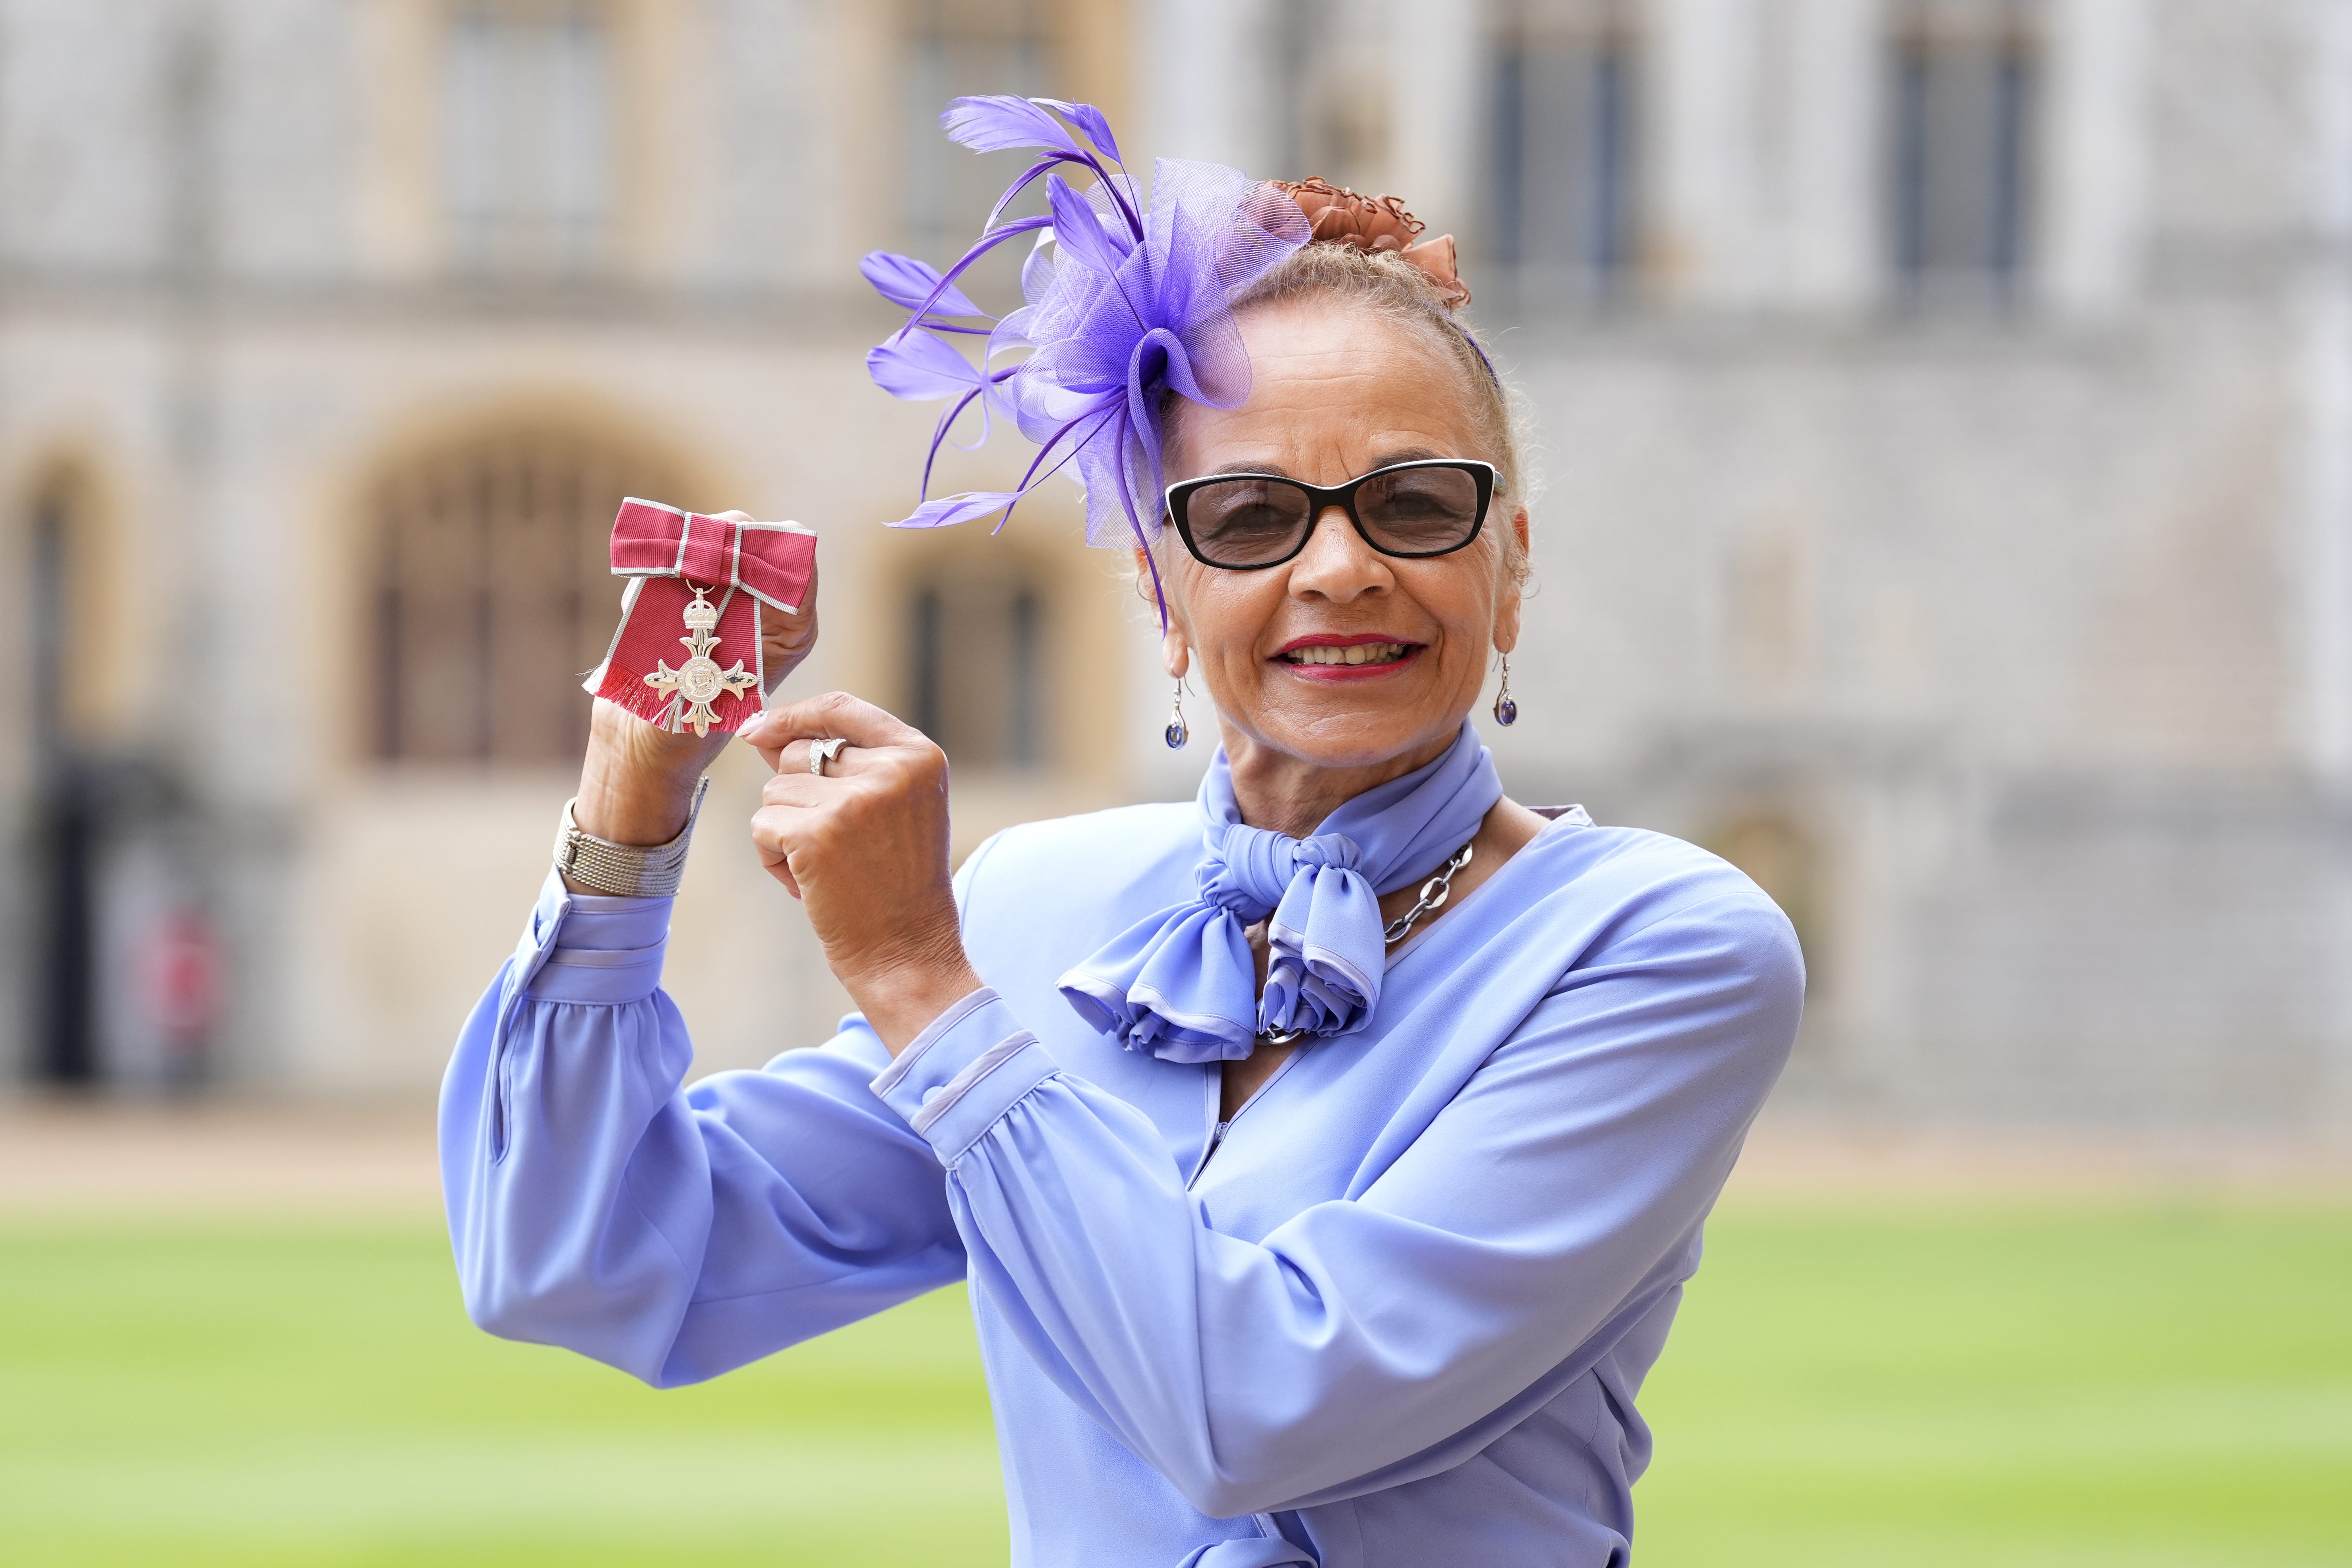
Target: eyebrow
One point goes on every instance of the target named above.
(1276, 470)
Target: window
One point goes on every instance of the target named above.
(1566, 104)
(494, 594)
(965, 48)
(526, 138)
(976, 646)
(1961, 102)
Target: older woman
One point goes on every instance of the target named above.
(1324, 1157)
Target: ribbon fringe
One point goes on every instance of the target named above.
(662, 711)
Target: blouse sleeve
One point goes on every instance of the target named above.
(1368, 1341)
(672, 1233)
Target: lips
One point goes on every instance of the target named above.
(1354, 653)
(1347, 657)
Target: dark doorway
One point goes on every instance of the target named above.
(65, 823)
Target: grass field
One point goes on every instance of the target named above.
(2013, 1386)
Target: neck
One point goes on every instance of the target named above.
(1286, 793)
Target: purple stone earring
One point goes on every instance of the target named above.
(1176, 734)
(1507, 708)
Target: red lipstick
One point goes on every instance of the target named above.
(1392, 654)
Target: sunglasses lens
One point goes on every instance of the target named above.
(1246, 521)
(1419, 511)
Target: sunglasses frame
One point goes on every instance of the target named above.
(1322, 499)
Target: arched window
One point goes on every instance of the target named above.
(494, 593)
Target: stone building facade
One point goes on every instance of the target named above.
(1945, 410)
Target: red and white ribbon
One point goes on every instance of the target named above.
(668, 555)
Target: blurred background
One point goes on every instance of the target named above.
(1946, 433)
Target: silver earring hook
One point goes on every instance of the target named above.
(1506, 707)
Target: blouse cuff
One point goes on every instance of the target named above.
(593, 947)
(971, 1067)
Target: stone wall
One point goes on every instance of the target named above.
(2012, 649)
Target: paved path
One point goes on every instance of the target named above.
(216, 1158)
(378, 1161)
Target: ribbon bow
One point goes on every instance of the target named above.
(1181, 984)
(708, 578)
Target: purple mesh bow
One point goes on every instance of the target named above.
(1129, 303)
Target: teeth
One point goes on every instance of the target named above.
(1362, 653)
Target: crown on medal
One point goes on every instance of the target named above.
(701, 615)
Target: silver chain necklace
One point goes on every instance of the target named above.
(1434, 894)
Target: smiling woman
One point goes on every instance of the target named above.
(1325, 1156)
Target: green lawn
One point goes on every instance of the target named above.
(2014, 1387)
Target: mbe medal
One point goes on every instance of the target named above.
(699, 681)
(716, 578)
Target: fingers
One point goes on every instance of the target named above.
(772, 836)
(792, 761)
(868, 799)
(799, 787)
(839, 714)
(788, 637)
(835, 713)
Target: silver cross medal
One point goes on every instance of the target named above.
(699, 681)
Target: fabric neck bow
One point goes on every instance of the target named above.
(1182, 984)
(708, 578)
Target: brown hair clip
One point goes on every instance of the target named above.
(1338, 216)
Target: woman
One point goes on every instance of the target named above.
(1324, 1157)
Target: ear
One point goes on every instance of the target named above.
(1175, 654)
(1175, 651)
(1507, 608)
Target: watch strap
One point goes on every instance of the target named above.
(624, 871)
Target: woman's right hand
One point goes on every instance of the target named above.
(863, 842)
(638, 783)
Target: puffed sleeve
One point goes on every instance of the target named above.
(1368, 1341)
(672, 1233)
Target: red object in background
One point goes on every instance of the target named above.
(180, 978)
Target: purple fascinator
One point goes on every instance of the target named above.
(1129, 302)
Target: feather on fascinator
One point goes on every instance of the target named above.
(1129, 302)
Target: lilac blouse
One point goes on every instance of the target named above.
(1396, 1312)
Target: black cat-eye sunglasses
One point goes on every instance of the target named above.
(1246, 522)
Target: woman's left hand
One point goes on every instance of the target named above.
(865, 847)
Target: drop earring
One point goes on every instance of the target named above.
(1506, 707)
(1176, 734)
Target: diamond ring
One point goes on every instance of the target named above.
(823, 751)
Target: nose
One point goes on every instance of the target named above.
(1336, 565)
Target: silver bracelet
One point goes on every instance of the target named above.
(627, 870)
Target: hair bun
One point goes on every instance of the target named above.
(1338, 216)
